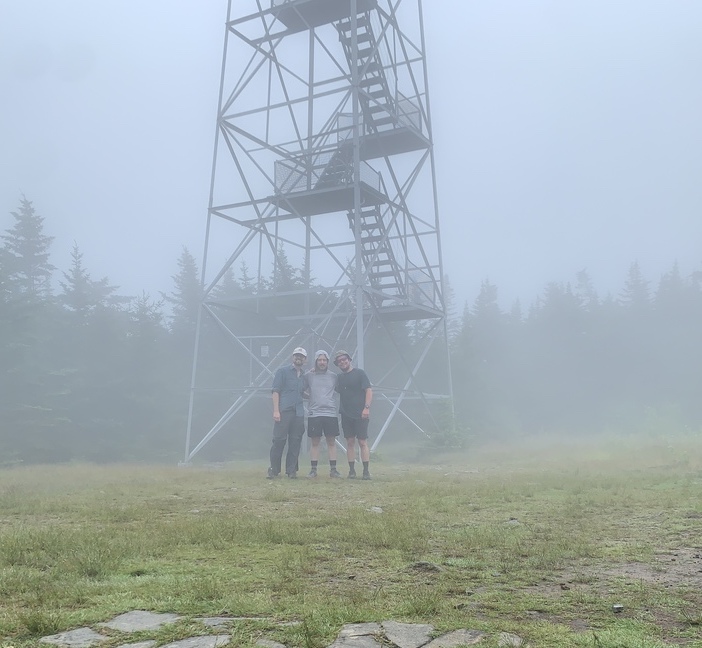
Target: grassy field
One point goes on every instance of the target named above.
(540, 539)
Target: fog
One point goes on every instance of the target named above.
(567, 135)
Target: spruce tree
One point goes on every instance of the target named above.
(186, 296)
(82, 295)
(27, 339)
(26, 262)
(635, 295)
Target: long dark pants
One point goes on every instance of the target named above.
(289, 429)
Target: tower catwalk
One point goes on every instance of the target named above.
(322, 228)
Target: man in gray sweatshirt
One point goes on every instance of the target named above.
(322, 411)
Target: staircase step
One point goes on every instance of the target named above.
(347, 24)
(364, 37)
(371, 67)
(380, 262)
(368, 81)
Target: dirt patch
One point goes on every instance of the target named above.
(679, 568)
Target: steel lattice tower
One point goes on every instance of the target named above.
(323, 208)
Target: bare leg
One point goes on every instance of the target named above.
(351, 449)
(365, 450)
(331, 448)
(314, 450)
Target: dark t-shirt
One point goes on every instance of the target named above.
(352, 387)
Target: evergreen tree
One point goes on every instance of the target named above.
(156, 391)
(672, 293)
(186, 297)
(245, 279)
(285, 277)
(227, 288)
(81, 295)
(585, 291)
(635, 295)
(26, 255)
(27, 344)
(482, 360)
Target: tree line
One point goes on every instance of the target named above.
(90, 374)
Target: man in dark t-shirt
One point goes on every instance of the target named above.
(354, 406)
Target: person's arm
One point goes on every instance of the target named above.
(369, 399)
(276, 406)
(277, 386)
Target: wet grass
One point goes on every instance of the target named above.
(539, 540)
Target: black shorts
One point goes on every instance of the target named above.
(322, 425)
(354, 427)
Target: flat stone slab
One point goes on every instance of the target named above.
(364, 641)
(200, 642)
(457, 638)
(140, 620)
(358, 630)
(407, 635)
(216, 622)
(80, 638)
(267, 643)
(140, 644)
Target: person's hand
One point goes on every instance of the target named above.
(276, 417)
(365, 414)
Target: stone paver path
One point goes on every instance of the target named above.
(80, 638)
(352, 635)
(139, 620)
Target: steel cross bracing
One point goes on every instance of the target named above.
(322, 228)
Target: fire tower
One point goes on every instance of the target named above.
(322, 228)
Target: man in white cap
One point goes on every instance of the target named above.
(322, 411)
(288, 415)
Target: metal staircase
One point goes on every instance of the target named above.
(377, 104)
(377, 107)
(378, 258)
(339, 169)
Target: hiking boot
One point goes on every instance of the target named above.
(313, 474)
(334, 473)
(292, 475)
(366, 475)
(352, 474)
(271, 474)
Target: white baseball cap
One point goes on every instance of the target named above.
(300, 350)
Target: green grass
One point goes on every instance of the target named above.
(539, 540)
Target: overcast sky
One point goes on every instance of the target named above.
(567, 135)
